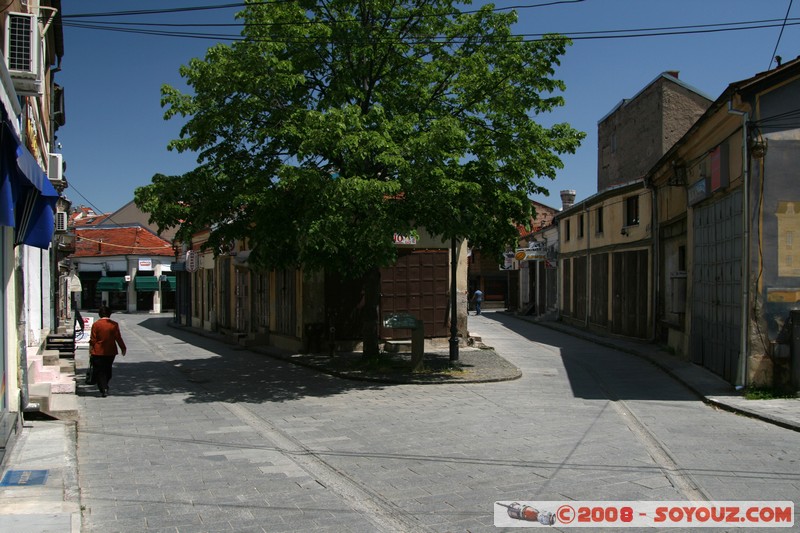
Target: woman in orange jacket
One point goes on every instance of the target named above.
(103, 343)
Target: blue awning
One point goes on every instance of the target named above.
(27, 198)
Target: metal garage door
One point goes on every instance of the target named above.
(717, 286)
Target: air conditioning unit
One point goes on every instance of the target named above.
(61, 221)
(55, 167)
(23, 53)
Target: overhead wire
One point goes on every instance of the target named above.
(787, 119)
(266, 2)
(775, 51)
(772, 23)
(110, 25)
(96, 209)
(142, 28)
(138, 12)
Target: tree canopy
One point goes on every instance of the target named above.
(333, 124)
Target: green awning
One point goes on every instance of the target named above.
(146, 283)
(171, 284)
(110, 284)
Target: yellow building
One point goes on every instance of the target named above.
(605, 243)
(727, 205)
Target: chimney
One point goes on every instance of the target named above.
(567, 199)
(673, 73)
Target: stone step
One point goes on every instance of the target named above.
(63, 406)
(56, 405)
(64, 344)
(51, 357)
(39, 393)
(52, 375)
(37, 372)
(67, 366)
(63, 387)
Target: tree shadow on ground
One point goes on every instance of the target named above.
(208, 370)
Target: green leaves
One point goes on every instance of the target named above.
(425, 114)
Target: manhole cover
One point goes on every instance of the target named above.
(23, 478)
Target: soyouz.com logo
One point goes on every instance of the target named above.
(618, 514)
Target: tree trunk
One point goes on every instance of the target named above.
(372, 298)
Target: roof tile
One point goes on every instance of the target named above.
(107, 241)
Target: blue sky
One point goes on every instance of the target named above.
(115, 138)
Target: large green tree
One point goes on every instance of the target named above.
(333, 124)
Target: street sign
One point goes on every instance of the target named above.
(192, 261)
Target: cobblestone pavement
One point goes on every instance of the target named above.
(198, 436)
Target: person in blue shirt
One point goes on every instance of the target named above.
(477, 297)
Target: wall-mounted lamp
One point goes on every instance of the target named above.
(624, 231)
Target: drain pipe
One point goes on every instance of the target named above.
(741, 373)
(655, 230)
(587, 227)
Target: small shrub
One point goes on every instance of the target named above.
(766, 393)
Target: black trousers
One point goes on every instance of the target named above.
(101, 370)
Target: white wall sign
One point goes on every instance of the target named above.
(192, 261)
(75, 283)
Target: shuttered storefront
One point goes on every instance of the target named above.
(418, 284)
(717, 285)
(629, 306)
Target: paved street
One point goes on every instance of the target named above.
(198, 436)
